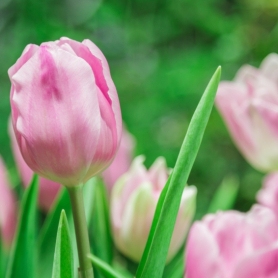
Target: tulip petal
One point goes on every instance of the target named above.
(263, 264)
(64, 88)
(202, 254)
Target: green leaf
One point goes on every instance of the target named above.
(23, 256)
(226, 194)
(48, 233)
(105, 269)
(3, 259)
(175, 269)
(155, 253)
(99, 225)
(63, 258)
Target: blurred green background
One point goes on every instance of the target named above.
(162, 55)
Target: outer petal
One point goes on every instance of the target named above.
(231, 102)
(28, 52)
(122, 161)
(57, 145)
(112, 92)
(268, 195)
(269, 67)
(109, 134)
(137, 219)
(8, 208)
(48, 189)
(202, 254)
(158, 175)
(124, 187)
(262, 264)
(264, 117)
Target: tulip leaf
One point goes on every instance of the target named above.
(155, 253)
(175, 269)
(23, 256)
(105, 269)
(3, 259)
(99, 225)
(48, 233)
(225, 195)
(63, 258)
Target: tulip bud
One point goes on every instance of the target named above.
(232, 244)
(268, 194)
(133, 202)
(122, 161)
(8, 208)
(65, 110)
(249, 106)
(48, 189)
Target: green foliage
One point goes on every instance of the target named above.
(23, 257)
(225, 196)
(154, 256)
(63, 258)
(99, 226)
(3, 260)
(105, 269)
(47, 236)
(175, 269)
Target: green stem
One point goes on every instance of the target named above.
(81, 231)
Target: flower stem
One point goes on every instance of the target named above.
(81, 231)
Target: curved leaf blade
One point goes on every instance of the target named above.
(23, 256)
(48, 234)
(63, 257)
(105, 269)
(155, 253)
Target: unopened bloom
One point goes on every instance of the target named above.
(133, 201)
(48, 189)
(232, 244)
(249, 106)
(122, 161)
(8, 208)
(268, 194)
(65, 110)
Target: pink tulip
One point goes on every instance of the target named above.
(249, 106)
(65, 110)
(122, 161)
(8, 208)
(232, 244)
(133, 201)
(48, 189)
(268, 195)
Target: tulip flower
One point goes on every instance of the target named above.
(249, 106)
(48, 189)
(65, 110)
(8, 208)
(268, 194)
(232, 244)
(122, 161)
(133, 201)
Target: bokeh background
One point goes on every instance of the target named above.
(161, 54)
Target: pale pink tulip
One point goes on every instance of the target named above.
(249, 106)
(268, 194)
(8, 208)
(65, 110)
(48, 189)
(232, 244)
(122, 161)
(133, 201)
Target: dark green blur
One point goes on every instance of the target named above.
(162, 55)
